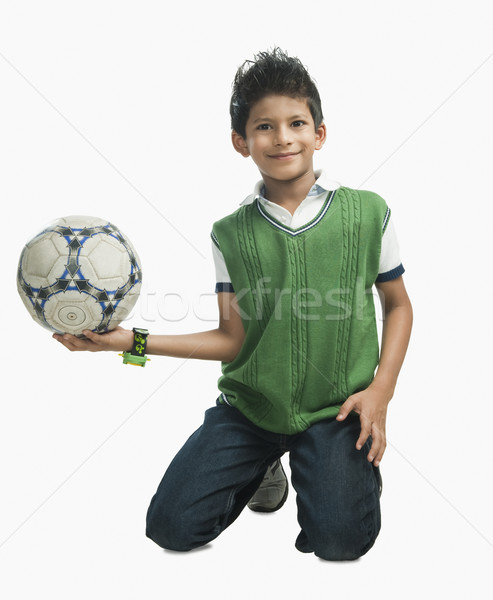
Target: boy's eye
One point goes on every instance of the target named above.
(263, 126)
(297, 123)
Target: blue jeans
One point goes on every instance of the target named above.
(211, 479)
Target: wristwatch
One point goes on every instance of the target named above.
(137, 355)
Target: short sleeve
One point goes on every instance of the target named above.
(223, 280)
(390, 262)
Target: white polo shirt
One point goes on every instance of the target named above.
(390, 263)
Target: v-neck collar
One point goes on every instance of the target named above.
(293, 232)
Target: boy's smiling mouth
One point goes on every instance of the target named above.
(284, 155)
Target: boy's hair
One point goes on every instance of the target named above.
(271, 72)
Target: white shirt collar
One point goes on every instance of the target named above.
(321, 185)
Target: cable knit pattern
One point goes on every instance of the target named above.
(307, 309)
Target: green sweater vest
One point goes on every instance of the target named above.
(305, 299)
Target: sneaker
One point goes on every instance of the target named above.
(272, 492)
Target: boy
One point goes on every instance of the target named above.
(297, 336)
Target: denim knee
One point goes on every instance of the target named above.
(178, 529)
(339, 548)
(166, 529)
(346, 540)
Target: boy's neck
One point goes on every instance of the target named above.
(289, 194)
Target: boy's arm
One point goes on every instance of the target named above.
(221, 344)
(396, 331)
(371, 404)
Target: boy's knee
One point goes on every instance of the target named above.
(176, 530)
(165, 529)
(161, 530)
(341, 541)
(339, 549)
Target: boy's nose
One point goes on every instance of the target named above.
(282, 137)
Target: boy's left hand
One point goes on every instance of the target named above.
(371, 405)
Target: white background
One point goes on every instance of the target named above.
(120, 110)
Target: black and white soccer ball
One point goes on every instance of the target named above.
(79, 273)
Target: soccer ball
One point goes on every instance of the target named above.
(79, 273)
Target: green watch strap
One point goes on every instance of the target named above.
(131, 359)
(137, 355)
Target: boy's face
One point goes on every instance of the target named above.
(281, 138)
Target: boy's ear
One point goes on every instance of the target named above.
(320, 136)
(239, 144)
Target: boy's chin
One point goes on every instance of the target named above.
(288, 176)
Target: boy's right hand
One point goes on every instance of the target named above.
(117, 340)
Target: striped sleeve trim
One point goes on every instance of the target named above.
(386, 220)
(215, 240)
(389, 275)
(223, 399)
(224, 287)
